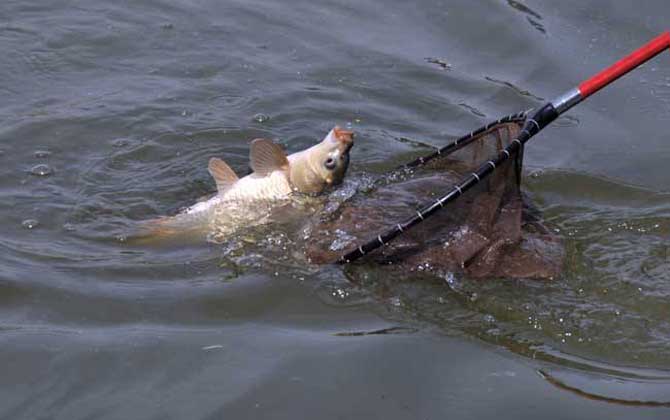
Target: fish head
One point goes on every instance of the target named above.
(324, 164)
(334, 159)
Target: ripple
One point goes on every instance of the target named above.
(383, 331)
(42, 154)
(537, 25)
(442, 63)
(523, 8)
(532, 16)
(638, 392)
(41, 170)
(120, 143)
(261, 118)
(30, 223)
(472, 109)
(514, 87)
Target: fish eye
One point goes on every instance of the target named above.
(330, 163)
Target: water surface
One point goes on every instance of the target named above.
(110, 112)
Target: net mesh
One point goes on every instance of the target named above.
(477, 232)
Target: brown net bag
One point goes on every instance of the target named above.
(486, 232)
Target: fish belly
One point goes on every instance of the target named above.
(246, 203)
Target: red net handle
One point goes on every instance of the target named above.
(626, 64)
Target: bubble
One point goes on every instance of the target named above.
(41, 170)
(30, 223)
(41, 154)
(261, 118)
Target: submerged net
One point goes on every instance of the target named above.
(486, 231)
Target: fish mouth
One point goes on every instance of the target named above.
(344, 138)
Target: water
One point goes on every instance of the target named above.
(110, 112)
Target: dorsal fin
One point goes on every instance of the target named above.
(266, 157)
(223, 175)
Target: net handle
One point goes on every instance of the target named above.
(598, 81)
(626, 64)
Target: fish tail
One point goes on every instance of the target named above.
(162, 229)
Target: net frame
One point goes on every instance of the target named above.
(530, 126)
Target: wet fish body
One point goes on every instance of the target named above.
(275, 180)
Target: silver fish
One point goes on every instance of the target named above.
(276, 179)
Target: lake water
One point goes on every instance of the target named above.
(111, 110)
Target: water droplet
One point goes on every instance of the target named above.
(340, 293)
(341, 241)
(30, 223)
(41, 170)
(41, 154)
(261, 118)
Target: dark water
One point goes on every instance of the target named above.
(124, 102)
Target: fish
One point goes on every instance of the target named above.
(277, 179)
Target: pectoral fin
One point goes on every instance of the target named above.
(267, 156)
(222, 173)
